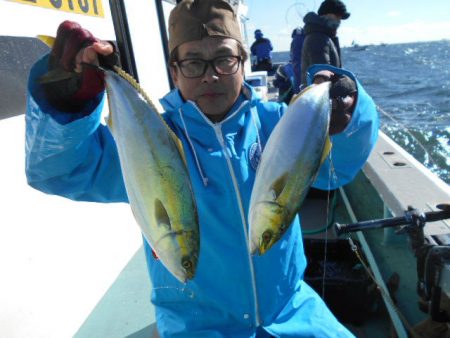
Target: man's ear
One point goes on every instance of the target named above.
(174, 74)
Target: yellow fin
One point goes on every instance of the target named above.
(297, 96)
(161, 215)
(326, 149)
(47, 39)
(278, 186)
(178, 143)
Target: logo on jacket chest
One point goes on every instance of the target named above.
(254, 155)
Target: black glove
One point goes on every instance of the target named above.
(66, 89)
(343, 93)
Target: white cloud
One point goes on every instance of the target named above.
(394, 13)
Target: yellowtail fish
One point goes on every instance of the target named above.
(154, 171)
(289, 164)
(156, 177)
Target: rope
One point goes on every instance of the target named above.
(386, 296)
(132, 81)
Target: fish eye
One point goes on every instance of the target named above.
(186, 263)
(266, 236)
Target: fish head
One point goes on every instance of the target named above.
(189, 265)
(270, 219)
(178, 242)
(180, 259)
(190, 247)
(179, 250)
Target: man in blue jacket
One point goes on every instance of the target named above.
(261, 50)
(222, 125)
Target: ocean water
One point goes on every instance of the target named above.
(410, 83)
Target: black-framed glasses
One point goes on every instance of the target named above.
(222, 65)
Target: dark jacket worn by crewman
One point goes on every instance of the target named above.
(321, 45)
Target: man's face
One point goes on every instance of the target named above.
(214, 94)
(335, 19)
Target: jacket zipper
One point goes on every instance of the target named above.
(218, 131)
(219, 135)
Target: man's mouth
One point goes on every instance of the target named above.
(211, 94)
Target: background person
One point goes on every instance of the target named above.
(261, 50)
(284, 80)
(321, 44)
(223, 125)
(298, 36)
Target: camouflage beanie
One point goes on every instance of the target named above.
(193, 20)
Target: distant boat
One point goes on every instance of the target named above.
(357, 47)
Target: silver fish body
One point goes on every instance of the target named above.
(288, 166)
(156, 178)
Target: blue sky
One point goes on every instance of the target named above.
(371, 21)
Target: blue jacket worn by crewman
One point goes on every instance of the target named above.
(233, 294)
(261, 48)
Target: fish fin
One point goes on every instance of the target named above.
(297, 96)
(178, 144)
(326, 149)
(278, 185)
(47, 39)
(161, 215)
(109, 121)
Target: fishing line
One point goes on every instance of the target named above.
(332, 176)
(330, 206)
(325, 253)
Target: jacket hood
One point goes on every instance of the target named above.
(319, 24)
(197, 128)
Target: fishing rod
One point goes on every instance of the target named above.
(411, 219)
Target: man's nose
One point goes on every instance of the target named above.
(210, 74)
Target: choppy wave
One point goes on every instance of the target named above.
(411, 84)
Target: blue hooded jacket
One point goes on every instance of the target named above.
(232, 294)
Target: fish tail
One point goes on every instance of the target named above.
(48, 40)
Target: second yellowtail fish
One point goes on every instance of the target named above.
(289, 165)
